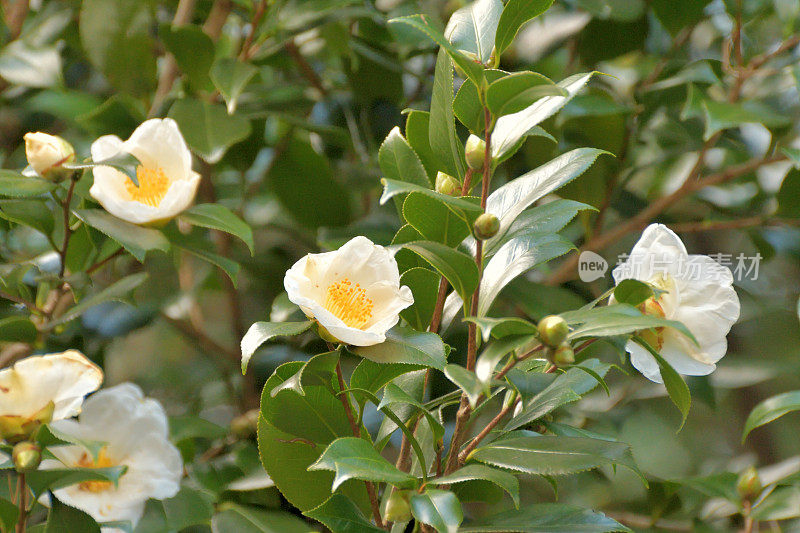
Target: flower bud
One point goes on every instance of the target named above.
(475, 152)
(494, 59)
(553, 330)
(486, 226)
(397, 508)
(563, 355)
(47, 153)
(15, 428)
(447, 184)
(653, 336)
(749, 484)
(26, 456)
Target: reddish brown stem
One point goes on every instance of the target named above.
(462, 457)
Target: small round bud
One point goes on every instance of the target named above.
(553, 330)
(245, 425)
(563, 355)
(397, 508)
(486, 226)
(447, 184)
(26, 456)
(494, 59)
(475, 152)
(47, 153)
(749, 484)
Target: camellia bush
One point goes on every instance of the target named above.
(399, 266)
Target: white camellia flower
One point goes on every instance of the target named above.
(42, 388)
(135, 432)
(353, 292)
(167, 183)
(46, 153)
(697, 291)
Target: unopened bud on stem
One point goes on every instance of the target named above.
(26, 456)
(47, 154)
(553, 330)
(563, 355)
(447, 184)
(749, 484)
(475, 152)
(486, 226)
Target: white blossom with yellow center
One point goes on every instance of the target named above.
(695, 290)
(353, 292)
(42, 388)
(166, 182)
(135, 432)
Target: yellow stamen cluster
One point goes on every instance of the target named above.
(153, 186)
(653, 336)
(349, 303)
(103, 461)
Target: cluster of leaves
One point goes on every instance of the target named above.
(291, 108)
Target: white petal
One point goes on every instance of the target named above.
(364, 263)
(158, 143)
(684, 357)
(343, 332)
(643, 361)
(179, 197)
(106, 147)
(32, 383)
(658, 250)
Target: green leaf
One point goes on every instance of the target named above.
(63, 518)
(193, 51)
(230, 77)
(723, 115)
(515, 257)
(16, 185)
(208, 128)
(439, 509)
(610, 323)
(472, 28)
(393, 188)
(675, 15)
(116, 291)
(138, 240)
(510, 129)
(494, 353)
(30, 212)
(301, 169)
(261, 332)
(399, 162)
(216, 216)
(393, 395)
(17, 329)
(676, 388)
(316, 371)
(421, 23)
(515, 14)
(518, 91)
(116, 39)
(501, 478)
(632, 292)
(372, 376)
(459, 268)
(9, 513)
(545, 518)
(566, 388)
(771, 409)
(782, 503)
(468, 105)
(436, 221)
(465, 380)
(418, 136)
(510, 200)
(341, 515)
(424, 285)
(40, 481)
(502, 327)
(404, 345)
(551, 455)
(190, 507)
(444, 141)
(355, 458)
(247, 519)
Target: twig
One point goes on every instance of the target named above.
(15, 17)
(67, 229)
(216, 18)
(305, 68)
(22, 494)
(348, 409)
(258, 14)
(462, 457)
(21, 301)
(183, 15)
(100, 264)
(645, 522)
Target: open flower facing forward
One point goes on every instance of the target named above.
(135, 432)
(166, 182)
(353, 292)
(39, 389)
(692, 289)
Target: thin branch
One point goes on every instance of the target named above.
(22, 494)
(100, 264)
(22, 301)
(305, 67)
(247, 46)
(67, 229)
(462, 457)
(15, 17)
(169, 72)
